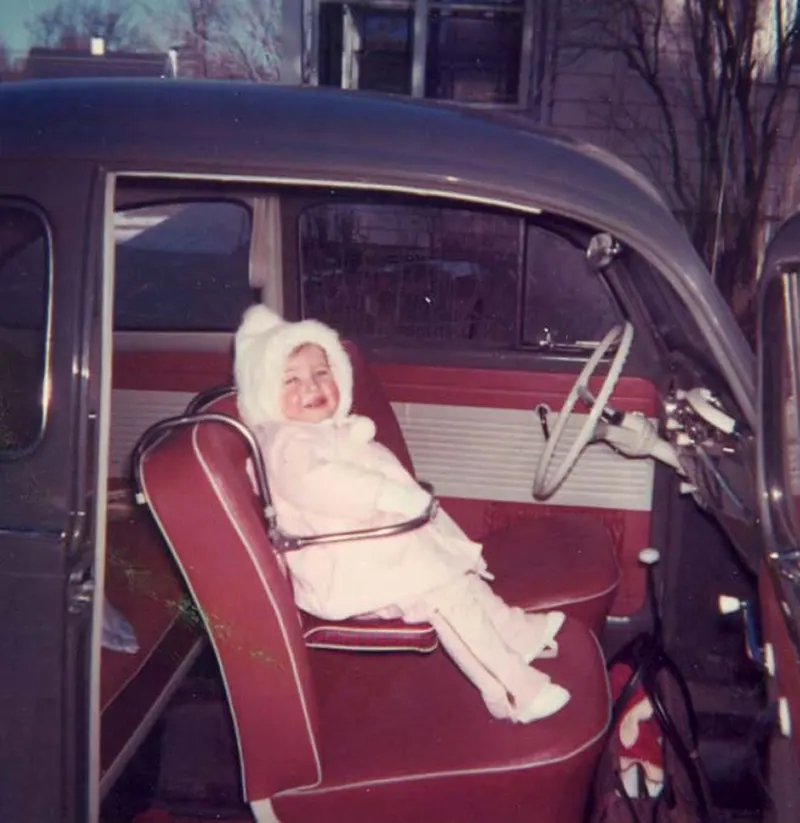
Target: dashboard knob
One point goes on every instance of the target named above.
(649, 557)
(727, 604)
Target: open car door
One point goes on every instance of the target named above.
(48, 448)
(779, 487)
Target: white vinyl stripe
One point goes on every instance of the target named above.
(470, 453)
(133, 411)
(491, 454)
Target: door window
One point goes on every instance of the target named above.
(24, 290)
(408, 273)
(566, 303)
(182, 267)
(465, 278)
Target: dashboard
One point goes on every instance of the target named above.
(717, 454)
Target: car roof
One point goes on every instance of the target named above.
(238, 126)
(334, 137)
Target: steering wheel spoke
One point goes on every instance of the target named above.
(608, 413)
(586, 396)
(545, 482)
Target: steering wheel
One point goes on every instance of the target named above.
(546, 483)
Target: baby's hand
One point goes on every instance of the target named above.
(409, 501)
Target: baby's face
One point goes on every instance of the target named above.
(309, 393)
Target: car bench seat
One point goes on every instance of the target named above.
(330, 736)
(565, 562)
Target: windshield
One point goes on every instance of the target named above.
(671, 320)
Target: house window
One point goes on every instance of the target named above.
(469, 52)
(474, 56)
(24, 288)
(363, 48)
(182, 267)
(461, 278)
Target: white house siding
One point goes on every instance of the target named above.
(596, 97)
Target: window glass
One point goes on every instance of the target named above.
(670, 318)
(466, 50)
(474, 56)
(24, 279)
(375, 45)
(565, 301)
(415, 273)
(182, 267)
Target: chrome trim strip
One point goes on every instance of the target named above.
(103, 434)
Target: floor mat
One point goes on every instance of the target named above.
(198, 773)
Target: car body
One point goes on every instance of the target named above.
(153, 212)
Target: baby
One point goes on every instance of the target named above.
(328, 474)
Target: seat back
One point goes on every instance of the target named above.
(370, 399)
(196, 485)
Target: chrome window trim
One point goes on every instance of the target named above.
(735, 358)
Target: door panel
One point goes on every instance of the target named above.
(783, 693)
(785, 685)
(778, 439)
(473, 434)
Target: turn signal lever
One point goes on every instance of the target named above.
(636, 436)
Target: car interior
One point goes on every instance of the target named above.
(469, 328)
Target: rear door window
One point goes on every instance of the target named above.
(24, 294)
(182, 266)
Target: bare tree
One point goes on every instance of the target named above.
(199, 27)
(5, 61)
(72, 24)
(716, 78)
(252, 41)
(225, 38)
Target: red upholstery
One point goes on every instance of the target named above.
(564, 562)
(216, 532)
(408, 738)
(361, 635)
(567, 562)
(368, 635)
(556, 561)
(332, 737)
(370, 399)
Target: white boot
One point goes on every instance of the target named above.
(548, 700)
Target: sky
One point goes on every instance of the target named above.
(13, 16)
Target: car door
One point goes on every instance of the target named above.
(47, 415)
(779, 487)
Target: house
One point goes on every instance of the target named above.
(570, 65)
(49, 63)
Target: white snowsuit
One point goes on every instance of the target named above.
(332, 476)
(327, 477)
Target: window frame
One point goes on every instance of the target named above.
(11, 455)
(532, 17)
